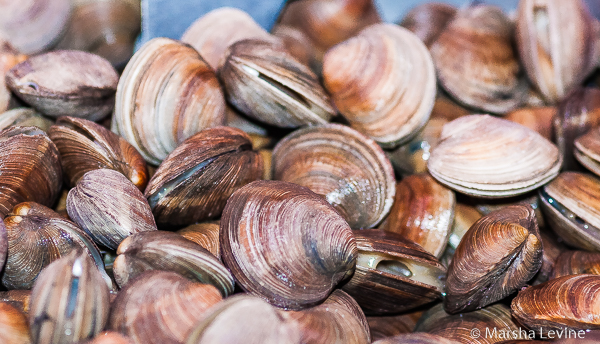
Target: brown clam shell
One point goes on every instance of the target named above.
(423, 211)
(345, 167)
(194, 182)
(587, 150)
(205, 235)
(392, 325)
(14, 328)
(85, 146)
(285, 243)
(496, 257)
(416, 338)
(539, 119)
(552, 251)
(9, 57)
(428, 20)
(576, 263)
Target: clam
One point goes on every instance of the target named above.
(587, 150)
(476, 62)
(66, 83)
(161, 307)
(285, 243)
(166, 94)
(539, 119)
(32, 26)
(14, 328)
(218, 29)
(17, 298)
(373, 87)
(484, 156)
(265, 82)
(428, 20)
(298, 44)
(393, 274)
(168, 251)
(564, 303)
(416, 338)
(345, 167)
(24, 117)
(194, 181)
(205, 235)
(69, 301)
(572, 208)
(464, 217)
(109, 207)
(37, 236)
(392, 325)
(30, 167)
(498, 255)
(9, 57)
(576, 263)
(556, 44)
(423, 211)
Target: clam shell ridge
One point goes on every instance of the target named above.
(587, 150)
(484, 156)
(344, 166)
(285, 243)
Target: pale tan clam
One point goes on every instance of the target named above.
(484, 156)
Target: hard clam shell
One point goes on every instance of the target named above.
(587, 150)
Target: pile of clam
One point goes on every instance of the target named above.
(336, 180)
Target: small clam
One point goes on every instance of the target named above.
(205, 235)
(14, 328)
(24, 117)
(158, 250)
(576, 263)
(416, 338)
(166, 94)
(265, 82)
(392, 325)
(161, 307)
(347, 168)
(484, 156)
(423, 211)
(109, 207)
(587, 150)
(285, 243)
(374, 89)
(498, 255)
(8, 59)
(393, 274)
(428, 20)
(66, 83)
(69, 301)
(194, 181)
(571, 204)
(85, 146)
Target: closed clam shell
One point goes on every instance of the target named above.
(66, 83)
(572, 208)
(218, 29)
(109, 207)
(205, 235)
(85, 146)
(194, 182)
(9, 57)
(69, 301)
(24, 117)
(416, 338)
(32, 26)
(484, 156)
(565, 302)
(247, 319)
(17, 298)
(374, 89)
(265, 82)
(576, 263)
(393, 274)
(14, 328)
(489, 76)
(498, 255)
(166, 94)
(347, 168)
(285, 244)
(392, 325)
(423, 211)
(37, 236)
(587, 150)
(158, 250)
(428, 20)
(556, 44)
(161, 307)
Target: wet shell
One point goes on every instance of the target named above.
(29, 166)
(194, 182)
(205, 235)
(85, 146)
(265, 82)
(9, 57)
(484, 156)
(166, 94)
(161, 307)
(24, 117)
(428, 20)
(342, 165)
(109, 207)
(423, 211)
(476, 62)
(587, 150)
(218, 29)
(66, 83)
(69, 301)
(371, 84)
(285, 243)
(565, 302)
(498, 255)
(168, 251)
(14, 328)
(392, 325)
(416, 338)
(575, 263)
(572, 207)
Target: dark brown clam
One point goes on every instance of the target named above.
(85, 146)
(285, 243)
(393, 274)
(392, 325)
(498, 255)
(14, 328)
(194, 182)
(428, 20)
(205, 235)
(576, 263)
